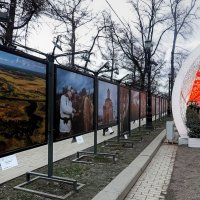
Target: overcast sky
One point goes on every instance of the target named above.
(42, 39)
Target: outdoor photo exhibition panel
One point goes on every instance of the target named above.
(107, 104)
(74, 104)
(166, 105)
(157, 106)
(22, 102)
(124, 110)
(153, 105)
(143, 104)
(135, 105)
(160, 106)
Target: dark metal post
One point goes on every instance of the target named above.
(118, 112)
(95, 112)
(129, 111)
(147, 51)
(169, 97)
(149, 100)
(155, 108)
(50, 81)
(139, 110)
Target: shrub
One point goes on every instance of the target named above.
(193, 122)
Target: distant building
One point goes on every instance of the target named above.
(108, 109)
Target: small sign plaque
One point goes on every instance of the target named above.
(126, 137)
(110, 130)
(8, 162)
(79, 139)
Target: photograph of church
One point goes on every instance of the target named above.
(107, 104)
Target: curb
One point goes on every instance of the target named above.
(119, 187)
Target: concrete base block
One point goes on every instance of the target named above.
(194, 142)
(182, 141)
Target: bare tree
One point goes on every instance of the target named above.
(94, 41)
(180, 56)
(72, 15)
(107, 42)
(149, 25)
(21, 13)
(183, 17)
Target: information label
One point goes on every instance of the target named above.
(126, 137)
(79, 139)
(110, 130)
(8, 162)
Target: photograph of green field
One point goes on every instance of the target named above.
(22, 107)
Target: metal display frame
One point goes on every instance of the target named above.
(83, 74)
(84, 154)
(122, 141)
(50, 129)
(40, 60)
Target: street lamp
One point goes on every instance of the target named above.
(169, 97)
(148, 46)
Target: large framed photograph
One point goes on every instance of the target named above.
(157, 105)
(166, 104)
(107, 104)
(124, 110)
(74, 103)
(153, 105)
(143, 105)
(22, 102)
(135, 105)
(161, 106)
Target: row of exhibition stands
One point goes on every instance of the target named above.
(38, 157)
(33, 90)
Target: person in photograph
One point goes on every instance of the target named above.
(66, 110)
(87, 111)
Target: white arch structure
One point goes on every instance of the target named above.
(182, 90)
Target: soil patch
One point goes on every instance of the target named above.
(94, 176)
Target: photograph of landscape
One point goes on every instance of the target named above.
(22, 102)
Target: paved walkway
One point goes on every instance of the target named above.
(155, 179)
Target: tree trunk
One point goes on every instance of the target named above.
(172, 62)
(73, 40)
(73, 47)
(10, 24)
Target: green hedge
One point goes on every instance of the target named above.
(193, 122)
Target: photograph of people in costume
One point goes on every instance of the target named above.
(124, 109)
(135, 103)
(74, 104)
(107, 104)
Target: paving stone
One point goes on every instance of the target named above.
(156, 177)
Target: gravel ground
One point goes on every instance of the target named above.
(95, 176)
(185, 181)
